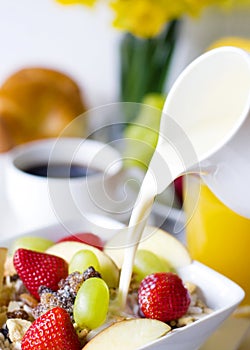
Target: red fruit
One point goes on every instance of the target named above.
(86, 237)
(36, 269)
(178, 184)
(162, 296)
(53, 330)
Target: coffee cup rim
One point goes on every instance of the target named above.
(17, 156)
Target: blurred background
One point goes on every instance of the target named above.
(64, 58)
(76, 40)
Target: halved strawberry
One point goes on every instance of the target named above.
(84, 237)
(36, 269)
(163, 296)
(53, 330)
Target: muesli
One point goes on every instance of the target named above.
(39, 297)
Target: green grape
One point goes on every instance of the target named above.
(37, 244)
(146, 263)
(83, 259)
(91, 303)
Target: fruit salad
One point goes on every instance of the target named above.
(63, 295)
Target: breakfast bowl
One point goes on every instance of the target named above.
(219, 294)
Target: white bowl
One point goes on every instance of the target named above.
(219, 293)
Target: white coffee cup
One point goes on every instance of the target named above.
(42, 200)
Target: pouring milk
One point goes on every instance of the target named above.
(204, 129)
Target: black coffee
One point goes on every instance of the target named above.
(61, 170)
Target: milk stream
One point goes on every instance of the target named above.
(136, 226)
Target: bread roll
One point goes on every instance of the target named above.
(38, 103)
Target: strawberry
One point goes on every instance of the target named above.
(53, 330)
(85, 237)
(162, 296)
(36, 269)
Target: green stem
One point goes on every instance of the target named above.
(145, 63)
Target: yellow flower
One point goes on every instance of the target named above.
(80, 2)
(147, 18)
(144, 18)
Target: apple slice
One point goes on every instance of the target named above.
(3, 257)
(159, 242)
(66, 250)
(128, 334)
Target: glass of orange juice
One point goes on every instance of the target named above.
(216, 236)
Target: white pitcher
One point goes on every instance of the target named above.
(205, 127)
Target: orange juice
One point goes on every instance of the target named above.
(218, 237)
